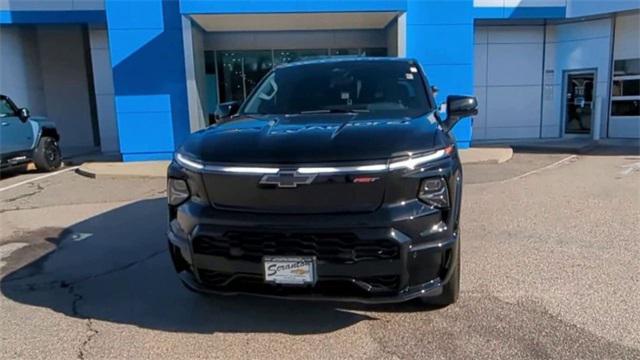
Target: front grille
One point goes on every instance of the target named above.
(254, 283)
(335, 248)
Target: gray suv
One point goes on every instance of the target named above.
(24, 139)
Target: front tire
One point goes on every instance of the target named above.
(47, 156)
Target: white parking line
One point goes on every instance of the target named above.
(630, 168)
(555, 164)
(38, 178)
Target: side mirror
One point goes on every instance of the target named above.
(24, 114)
(459, 107)
(225, 110)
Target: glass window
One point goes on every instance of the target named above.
(230, 76)
(345, 52)
(374, 52)
(626, 67)
(6, 109)
(625, 108)
(240, 71)
(375, 87)
(287, 56)
(625, 92)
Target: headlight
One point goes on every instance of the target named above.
(413, 162)
(434, 192)
(177, 191)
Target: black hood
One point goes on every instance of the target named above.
(314, 138)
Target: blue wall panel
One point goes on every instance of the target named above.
(520, 12)
(52, 17)
(440, 12)
(441, 44)
(149, 77)
(440, 36)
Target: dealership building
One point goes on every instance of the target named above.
(134, 78)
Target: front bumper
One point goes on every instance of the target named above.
(420, 265)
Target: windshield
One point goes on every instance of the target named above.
(390, 88)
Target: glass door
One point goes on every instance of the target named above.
(579, 105)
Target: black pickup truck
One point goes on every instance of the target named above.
(335, 179)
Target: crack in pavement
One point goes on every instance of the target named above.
(91, 331)
(15, 209)
(23, 196)
(39, 188)
(52, 284)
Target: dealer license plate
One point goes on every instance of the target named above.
(290, 270)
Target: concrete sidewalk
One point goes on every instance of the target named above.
(563, 146)
(159, 168)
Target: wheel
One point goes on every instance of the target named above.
(450, 291)
(47, 155)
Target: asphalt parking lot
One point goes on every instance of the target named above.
(550, 271)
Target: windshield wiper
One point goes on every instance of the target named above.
(335, 111)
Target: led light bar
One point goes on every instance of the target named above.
(244, 169)
(410, 164)
(342, 169)
(193, 165)
(413, 162)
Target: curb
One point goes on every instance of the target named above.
(94, 170)
(85, 173)
(479, 155)
(575, 150)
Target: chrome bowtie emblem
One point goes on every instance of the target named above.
(287, 179)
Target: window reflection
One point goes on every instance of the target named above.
(237, 72)
(625, 92)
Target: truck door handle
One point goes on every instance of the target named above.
(4, 123)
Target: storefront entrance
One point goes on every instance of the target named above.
(579, 104)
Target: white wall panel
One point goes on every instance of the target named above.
(513, 106)
(64, 74)
(514, 34)
(103, 85)
(480, 120)
(481, 35)
(514, 64)
(480, 61)
(20, 75)
(627, 44)
(580, 30)
(507, 79)
(577, 8)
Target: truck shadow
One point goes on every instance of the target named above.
(115, 267)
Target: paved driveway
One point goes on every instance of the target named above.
(550, 270)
